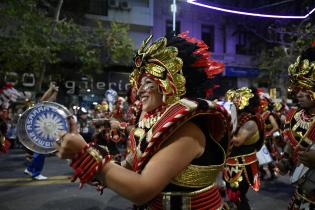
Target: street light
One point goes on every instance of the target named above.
(174, 10)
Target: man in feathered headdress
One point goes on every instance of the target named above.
(299, 132)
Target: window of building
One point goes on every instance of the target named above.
(99, 7)
(207, 35)
(72, 8)
(169, 27)
(141, 3)
(241, 46)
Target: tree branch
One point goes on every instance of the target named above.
(56, 16)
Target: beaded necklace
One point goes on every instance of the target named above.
(303, 120)
(150, 118)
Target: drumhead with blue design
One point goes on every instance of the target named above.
(38, 127)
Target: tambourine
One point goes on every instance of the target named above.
(38, 127)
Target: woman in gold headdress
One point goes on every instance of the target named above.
(299, 132)
(241, 170)
(178, 145)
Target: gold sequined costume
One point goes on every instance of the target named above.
(194, 187)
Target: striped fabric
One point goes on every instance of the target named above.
(208, 199)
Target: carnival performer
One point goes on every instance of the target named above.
(112, 128)
(178, 145)
(35, 167)
(300, 132)
(85, 125)
(8, 95)
(281, 109)
(134, 106)
(241, 169)
(4, 142)
(272, 131)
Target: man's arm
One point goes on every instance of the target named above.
(51, 93)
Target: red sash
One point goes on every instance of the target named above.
(218, 121)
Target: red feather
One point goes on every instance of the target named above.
(211, 67)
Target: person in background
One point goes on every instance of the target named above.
(241, 168)
(272, 127)
(8, 95)
(134, 106)
(299, 157)
(178, 145)
(4, 141)
(86, 128)
(36, 165)
(280, 108)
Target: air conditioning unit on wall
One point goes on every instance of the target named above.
(113, 4)
(124, 5)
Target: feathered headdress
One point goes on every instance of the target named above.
(239, 97)
(175, 63)
(302, 72)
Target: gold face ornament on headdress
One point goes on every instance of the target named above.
(277, 106)
(161, 64)
(302, 75)
(103, 107)
(239, 97)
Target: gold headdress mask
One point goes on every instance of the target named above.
(103, 107)
(162, 64)
(302, 75)
(278, 106)
(239, 97)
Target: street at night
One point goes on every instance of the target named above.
(19, 192)
(157, 105)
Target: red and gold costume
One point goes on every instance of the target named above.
(241, 168)
(300, 130)
(111, 136)
(4, 142)
(8, 94)
(194, 187)
(272, 137)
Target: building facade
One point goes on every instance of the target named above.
(219, 31)
(138, 14)
(233, 39)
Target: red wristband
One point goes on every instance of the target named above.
(88, 162)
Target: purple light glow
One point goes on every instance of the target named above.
(248, 13)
